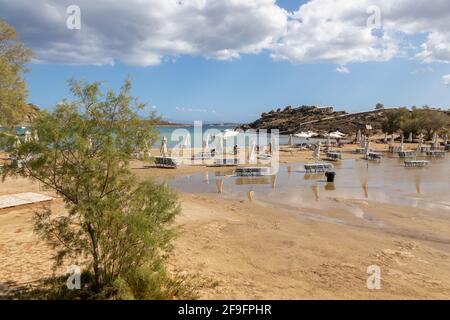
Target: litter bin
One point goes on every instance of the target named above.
(330, 176)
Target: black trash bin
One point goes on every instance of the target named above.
(330, 176)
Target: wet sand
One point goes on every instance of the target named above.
(276, 248)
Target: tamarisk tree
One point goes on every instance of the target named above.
(81, 150)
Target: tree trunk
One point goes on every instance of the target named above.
(95, 255)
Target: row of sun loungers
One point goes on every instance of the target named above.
(334, 156)
(167, 162)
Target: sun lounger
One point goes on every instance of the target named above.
(436, 153)
(318, 167)
(202, 156)
(253, 171)
(416, 163)
(167, 162)
(394, 149)
(226, 162)
(373, 156)
(407, 154)
(264, 156)
(334, 156)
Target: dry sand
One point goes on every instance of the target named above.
(256, 251)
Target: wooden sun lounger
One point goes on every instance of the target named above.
(416, 163)
(373, 156)
(436, 153)
(407, 154)
(318, 167)
(253, 171)
(334, 156)
(226, 162)
(167, 162)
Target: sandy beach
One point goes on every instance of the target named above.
(262, 250)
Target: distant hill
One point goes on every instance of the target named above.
(320, 119)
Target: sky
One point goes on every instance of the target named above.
(230, 60)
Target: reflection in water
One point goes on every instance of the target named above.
(316, 191)
(313, 176)
(365, 187)
(219, 185)
(389, 183)
(273, 180)
(289, 171)
(207, 177)
(251, 181)
(251, 196)
(330, 186)
(417, 180)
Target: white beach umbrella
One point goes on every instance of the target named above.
(446, 139)
(358, 136)
(316, 154)
(219, 144)
(27, 136)
(291, 140)
(328, 140)
(17, 143)
(230, 134)
(274, 143)
(419, 146)
(362, 143)
(385, 138)
(402, 142)
(410, 138)
(163, 148)
(206, 142)
(186, 143)
(252, 155)
(436, 141)
(367, 147)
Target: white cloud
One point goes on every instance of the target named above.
(333, 31)
(446, 80)
(342, 69)
(143, 32)
(194, 110)
(147, 32)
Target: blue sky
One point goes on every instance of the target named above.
(200, 86)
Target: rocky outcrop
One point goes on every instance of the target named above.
(319, 119)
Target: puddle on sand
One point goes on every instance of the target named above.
(386, 182)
